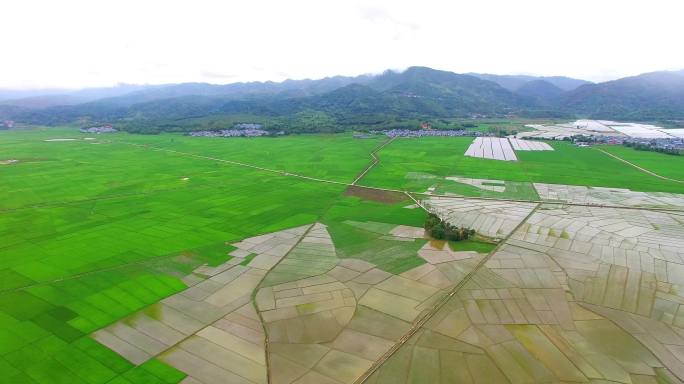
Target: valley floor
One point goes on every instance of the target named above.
(302, 259)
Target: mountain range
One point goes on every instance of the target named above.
(340, 102)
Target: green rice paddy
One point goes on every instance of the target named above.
(516, 190)
(91, 233)
(360, 229)
(663, 164)
(404, 159)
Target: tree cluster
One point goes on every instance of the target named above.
(441, 230)
(654, 148)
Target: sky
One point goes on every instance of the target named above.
(92, 43)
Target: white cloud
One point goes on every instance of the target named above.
(76, 43)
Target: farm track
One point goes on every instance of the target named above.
(375, 160)
(417, 326)
(291, 174)
(354, 183)
(422, 321)
(410, 194)
(640, 168)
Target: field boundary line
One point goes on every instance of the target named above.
(551, 202)
(417, 326)
(252, 299)
(642, 169)
(115, 267)
(286, 173)
(418, 203)
(88, 273)
(375, 159)
(583, 303)
(233, 162)
(105, 197)
(207, 186)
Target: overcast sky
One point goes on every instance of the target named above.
(71, 43)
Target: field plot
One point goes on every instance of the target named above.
(56, 172)
(338, 157)
(641, 132)
(331, 326)
(592, 125)
(492, 219)
(365, 229)
(495, 189)
(90, 234)
(404, 159)
(528, 145)
(209, 331)
(575, 295)
(609, 196)
(59, 172)
(126, 264)
(503, 149)
(597, 128)
(660, 163)
(491, 148)
(485, 184)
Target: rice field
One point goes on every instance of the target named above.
(534, 313)
(503, 148)
(167, 259)
(491, 148)
(528, 145)
(663, 164)
(404, 161)
(92, 233)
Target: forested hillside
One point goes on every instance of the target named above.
(336, 103)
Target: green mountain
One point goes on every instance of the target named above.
(655, 95)
(514, 82)
(541, 92)
(386, 100)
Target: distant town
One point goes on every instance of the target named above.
(98, 130)
(231, 133)
(427, 133)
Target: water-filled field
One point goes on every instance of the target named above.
(157, 259)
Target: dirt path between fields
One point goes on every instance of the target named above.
(375, 160)
(285, 173)
(639, 168)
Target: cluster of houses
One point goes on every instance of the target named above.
(427, 133)
(587, 140)
(250, 132)
(669, 145)
(673, 145)
(7, 124)
(248, 126)
(102, 129)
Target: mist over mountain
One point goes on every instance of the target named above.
(515, 82)
(43, 98)
(654, 95)
(415, 93)
(542, 92)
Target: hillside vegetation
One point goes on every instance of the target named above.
(389, 100)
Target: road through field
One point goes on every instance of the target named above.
(639, 168)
